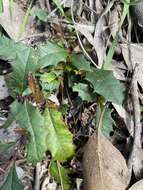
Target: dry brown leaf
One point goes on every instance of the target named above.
(133, 54)
(12, 22)
(98, 6)
(137, 186)
(126, 117)
(104, 167)
(138, 163)
(99, 41)
(114, 21)
(101, 34)
(86, 30)
(119, 69)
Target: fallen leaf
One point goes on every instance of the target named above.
(86, 30)
(119, 69)
(137, 186)
(103, 165)
(138, 164)
(126, 117)
(114, 21)
(11, 20)
(133, 54)
(99, 41)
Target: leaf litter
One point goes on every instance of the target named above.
(66, 60)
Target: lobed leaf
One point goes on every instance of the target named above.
(9, 48)
(59, 138)
(51, 54)
(105, 84)
(84, 92)
(23, 60)
(79, 61)
(30, 118)
(24, 63)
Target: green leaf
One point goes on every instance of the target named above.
(105, 84)
(12, 182)
(84, 92)
(48, 77)
(14, 87)
(59, 139)
(9, 48)
(23, 60)
(24, 63)
(111, 51)
(41, 14)
(51, 54)
(51, 87)
(107, 122)
(30, 118)
(79, 61)
(60, 174)
(4, 147)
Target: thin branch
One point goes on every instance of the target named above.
(37, 177)
(137, 120)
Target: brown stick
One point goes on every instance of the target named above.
(137, 120)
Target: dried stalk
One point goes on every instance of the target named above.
(37, 177)
(137, 120)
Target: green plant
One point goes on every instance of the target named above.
(44, 127)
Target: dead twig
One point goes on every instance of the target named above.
(137, 121)
(37, 177)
